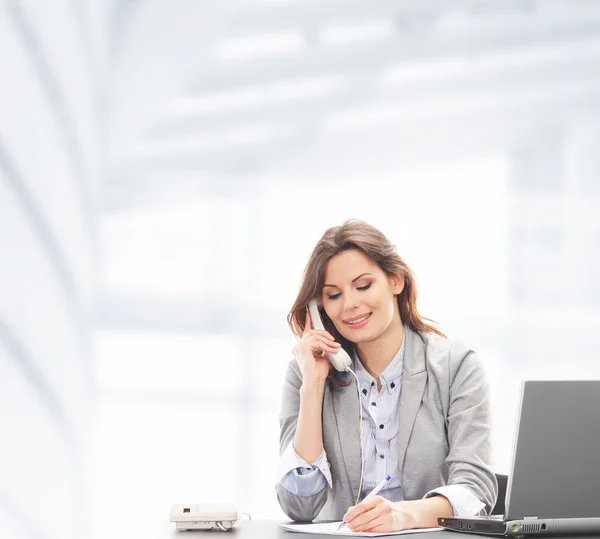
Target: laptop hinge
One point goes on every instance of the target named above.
(530, 518)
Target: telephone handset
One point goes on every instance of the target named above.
(340, 359)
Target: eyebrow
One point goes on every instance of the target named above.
(353, 280)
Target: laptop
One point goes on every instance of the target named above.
(554, 481)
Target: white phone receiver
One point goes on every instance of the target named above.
(340, 359)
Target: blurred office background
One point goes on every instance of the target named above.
(166, 168)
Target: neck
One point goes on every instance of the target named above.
(376, 355)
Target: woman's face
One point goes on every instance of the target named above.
(359, 297)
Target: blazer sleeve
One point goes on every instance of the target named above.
(469, 428)
(299, 508)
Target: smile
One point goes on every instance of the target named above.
(357, 321)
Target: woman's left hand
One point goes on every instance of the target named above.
(376, 514)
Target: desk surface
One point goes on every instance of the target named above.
(269, 529)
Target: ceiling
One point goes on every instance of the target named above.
(226, 95)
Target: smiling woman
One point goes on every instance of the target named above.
(420, 411)
(355, 239)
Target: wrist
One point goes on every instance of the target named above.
(406, 514)
(313, 385)
(424, 513)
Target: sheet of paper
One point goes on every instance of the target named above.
(330, 528)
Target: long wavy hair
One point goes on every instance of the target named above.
(358, 235)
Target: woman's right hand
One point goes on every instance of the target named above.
(310, 353)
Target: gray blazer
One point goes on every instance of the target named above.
(444, 433)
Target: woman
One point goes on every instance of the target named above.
(423, 399)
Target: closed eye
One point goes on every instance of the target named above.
(361, 288)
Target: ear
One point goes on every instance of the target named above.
(397, 282)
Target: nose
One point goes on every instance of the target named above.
(351, 302)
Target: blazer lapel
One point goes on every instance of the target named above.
(346, 411)
(414, 379)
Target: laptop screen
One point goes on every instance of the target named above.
(556, 461)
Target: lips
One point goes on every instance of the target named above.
(357, 320)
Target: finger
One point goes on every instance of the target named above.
(319, 347)
(379, 527)
(366, 505)
(370, 518)
(321, 351)
(324, 332)
(365, 520)
(350, 513)
(371, 501)
(321, 341)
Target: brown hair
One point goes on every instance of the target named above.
(356, 234)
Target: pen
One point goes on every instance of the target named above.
(370, 495)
